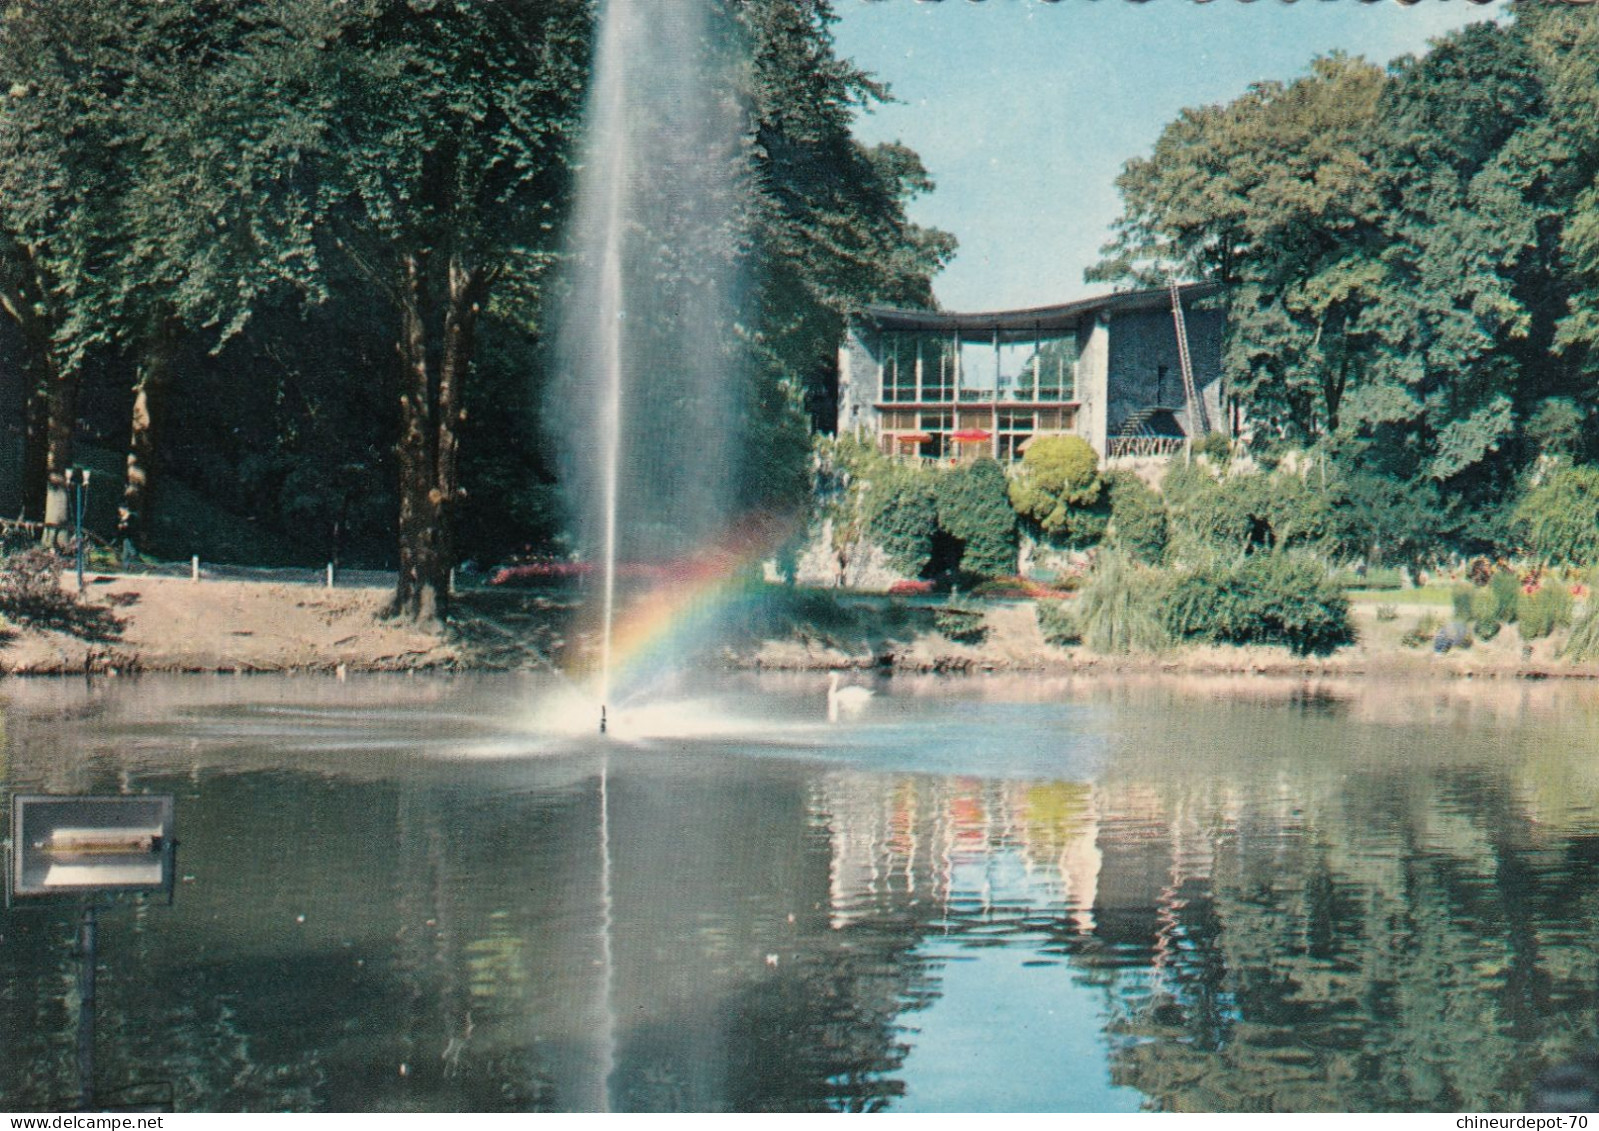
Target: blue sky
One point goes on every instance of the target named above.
(1025, 111)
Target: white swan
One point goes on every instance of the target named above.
(849, 700)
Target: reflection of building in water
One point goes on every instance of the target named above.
(1113, 864)
(1302, 940)
(912, 839)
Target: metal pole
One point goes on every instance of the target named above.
(88, 957)
(82, 487)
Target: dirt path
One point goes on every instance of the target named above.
(178, 625)
(169, 624)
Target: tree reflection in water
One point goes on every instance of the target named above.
(1273, 902)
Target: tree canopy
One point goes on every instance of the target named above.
(293, 256)
(1404, 254)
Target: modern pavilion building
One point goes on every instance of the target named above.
(1108, 369)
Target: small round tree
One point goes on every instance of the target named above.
(1059, 489)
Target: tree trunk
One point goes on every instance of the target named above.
(430, 419)
(154, 376)
(63, 411)
(35, 448)
(39, 366)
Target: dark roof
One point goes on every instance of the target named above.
(1066, 316)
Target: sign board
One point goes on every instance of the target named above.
(81, 845)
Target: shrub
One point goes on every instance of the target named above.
(1461, 600)
(1420, 635)
(1383, 579)
(1257, 511)
(1292, 602)
(1506, 590)
(1486, 616)
(1583, 643)
(1058, 488)
(31, 594)
(1057, 622)
(1137, 518)
(1216, 446)
(1542, 611)
(1387, 612)
(974, 507)
(1120, 607)
(1197, 606)
(901, 517)
(1275, 598)
(30, 585)
(962, 622)
(1559, 518)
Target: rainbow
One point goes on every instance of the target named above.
(683, 598)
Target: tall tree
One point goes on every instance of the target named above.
(831, 231)
(1391, 246)
(62, 69)
(443, 167)
(1274, 196)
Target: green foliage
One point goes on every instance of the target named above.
(1277, 598)
(1382, 519)
(902, 516)
(1402, 256)
(1555, 429)
(1461, 600)
(1137, 518)
(974, 507)
(830, 231)
(1506, 590)
(1216, 447)
(1059, 490)
(1543, 610)
(962, 622)
(1421, 634)
(1381, 578)
(1582, 645)
(1057, 623)
(1559, 518)
(1119, 609)
(1242, 513)
(1487, 613)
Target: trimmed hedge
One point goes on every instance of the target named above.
(1278, 598)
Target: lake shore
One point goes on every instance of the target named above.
(176, 625)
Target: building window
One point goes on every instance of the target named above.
(1055, 364)
(937, 425)
(1015, 429)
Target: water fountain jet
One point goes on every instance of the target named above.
(649, 363)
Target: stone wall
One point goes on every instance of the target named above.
(1144, 370)
(857, 384)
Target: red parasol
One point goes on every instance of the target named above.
(971, 436)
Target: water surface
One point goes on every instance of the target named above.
(419, 893)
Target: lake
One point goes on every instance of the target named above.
(1109, 894)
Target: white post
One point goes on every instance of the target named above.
(194, 568)
(330, 575)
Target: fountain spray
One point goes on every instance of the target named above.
(650, 363)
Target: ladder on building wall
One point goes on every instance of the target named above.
(1196, 406)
